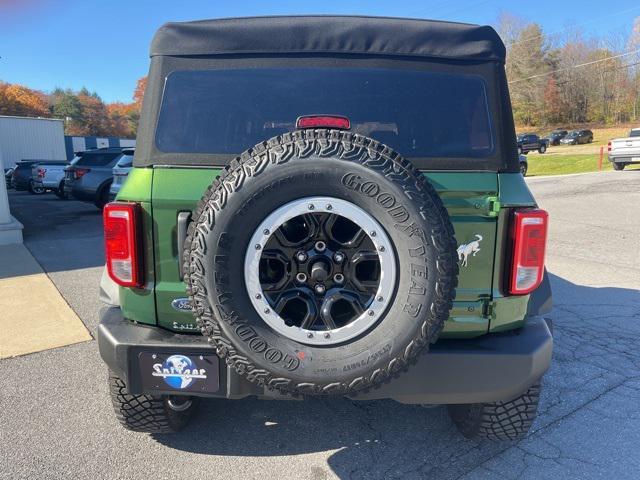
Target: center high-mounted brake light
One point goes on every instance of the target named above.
(124, 263)
(529, 232)
(323, 121)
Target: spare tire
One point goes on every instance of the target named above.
(320, 262)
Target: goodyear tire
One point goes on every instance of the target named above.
(334, 189)
(150, 413)
(509, 420)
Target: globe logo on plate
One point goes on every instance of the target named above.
(178, 371)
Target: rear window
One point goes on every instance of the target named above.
(97, 159)
(634, 133)
(418, 113)
(125, 161)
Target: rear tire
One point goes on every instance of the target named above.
(103, 197)
(523, 169)
(150, 413)
(36, 190)
(542, 149)
(510, 420)
(60, 193)
(618, 166)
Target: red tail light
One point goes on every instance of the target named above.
(608, 146)
(323, 121)
(529, 244)
(80, 172)
(124, 263)
(41, 172)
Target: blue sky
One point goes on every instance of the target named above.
(103, 44)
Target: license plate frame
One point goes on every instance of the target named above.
(179, 372)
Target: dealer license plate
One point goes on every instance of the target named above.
(178, 372)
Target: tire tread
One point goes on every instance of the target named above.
(321, 143)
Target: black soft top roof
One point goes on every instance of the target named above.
(330, 34)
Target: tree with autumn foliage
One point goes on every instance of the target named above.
(553, 107)
(124, 118)
(138, 93)
(84, 113)
(17, 100)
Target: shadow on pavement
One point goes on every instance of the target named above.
(375, 439)
(61, 234)
(566, 292)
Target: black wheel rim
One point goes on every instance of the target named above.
(320, 270)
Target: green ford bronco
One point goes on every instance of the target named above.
(326, 206)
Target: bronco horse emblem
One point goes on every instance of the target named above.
(467, 249)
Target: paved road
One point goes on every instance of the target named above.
(56, 419)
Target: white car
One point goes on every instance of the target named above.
(120, 172)
(624, 151)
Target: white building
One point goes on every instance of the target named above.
(24, 138)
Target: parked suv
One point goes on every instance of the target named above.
(577, 137)
(530, 142)
(555, 136)
(338, 212)
(22, 179)
(89, 178)
(120, 172)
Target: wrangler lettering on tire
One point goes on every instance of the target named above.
(320, 262)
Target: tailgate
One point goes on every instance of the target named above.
(470, 197)
(625, 146)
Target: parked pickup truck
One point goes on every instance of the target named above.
(528, 142)
(49, 175)
(624, 151)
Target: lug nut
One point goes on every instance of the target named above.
(381, 248)
(338, 257)
(371, 313)
(267, 311)
(301, 256)
(320, 289)
(373, 233)
(266, 231)
(301, 277)
(338, 278)
(258, 296)
(327, 335)
(309, 335)
(321, 246)
(311, 206)
(380, 298)
(329, 207)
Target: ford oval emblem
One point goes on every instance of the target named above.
(181, 304)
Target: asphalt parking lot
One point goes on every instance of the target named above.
(57, 422)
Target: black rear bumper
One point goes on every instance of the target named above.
(486, 369)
